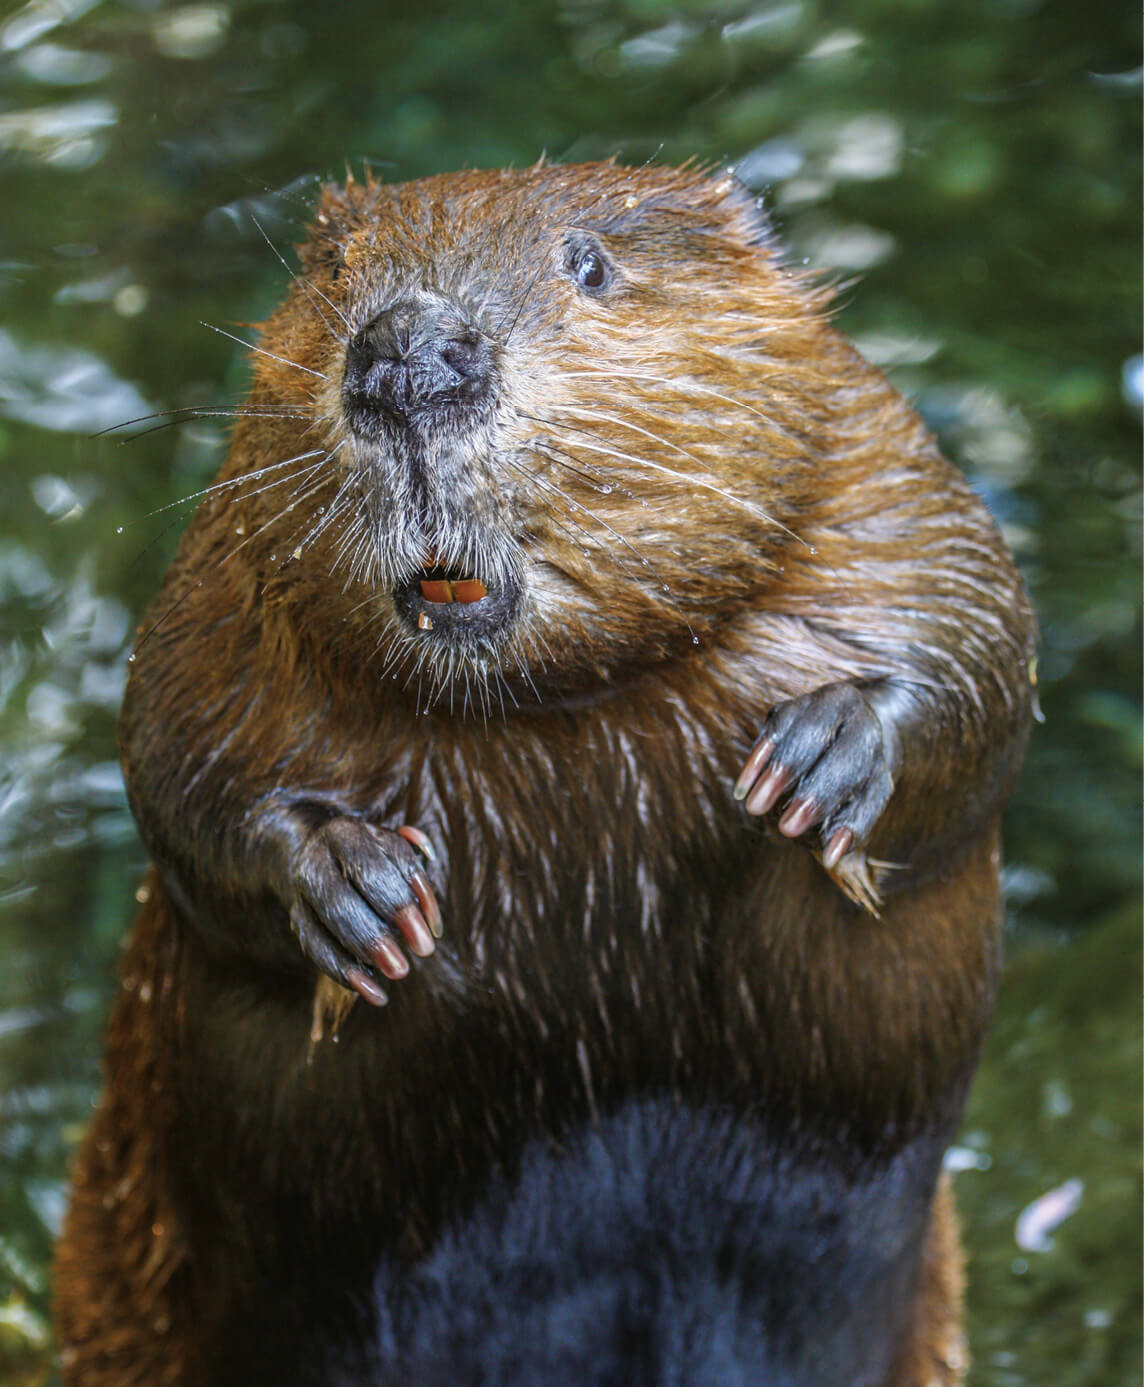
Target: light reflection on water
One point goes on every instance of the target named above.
(970, 175)
(64, 388)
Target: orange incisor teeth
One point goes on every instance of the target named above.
(442, 590)
(469, 590)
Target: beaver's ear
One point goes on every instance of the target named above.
(337, 211)
(747, 218)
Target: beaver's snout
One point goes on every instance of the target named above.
(415, 359)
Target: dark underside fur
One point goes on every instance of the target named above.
(665, 1246)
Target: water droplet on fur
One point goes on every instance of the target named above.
(131, 658)
(240, 529)
(607, 490)
(694, 640)
(273, 558)
(321, 510)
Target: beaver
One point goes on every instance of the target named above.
(570, 742)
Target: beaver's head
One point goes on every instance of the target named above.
(567, 414)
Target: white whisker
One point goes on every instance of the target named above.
(308, 288)
(251, 347)
(730, 496)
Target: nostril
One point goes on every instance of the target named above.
(388, 383)
(371, 353)
(463, 356)
(381, 373)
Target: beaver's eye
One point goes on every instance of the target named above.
(591, 272)
(589, 268)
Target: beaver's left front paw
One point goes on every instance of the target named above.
(830, 759)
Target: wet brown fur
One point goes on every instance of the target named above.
(718, 506)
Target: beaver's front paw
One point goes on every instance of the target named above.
(829, 760)
(354, 889)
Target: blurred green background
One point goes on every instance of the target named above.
(971, 168)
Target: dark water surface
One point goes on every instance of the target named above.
(972, 168)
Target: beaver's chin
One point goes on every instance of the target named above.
(456, 609)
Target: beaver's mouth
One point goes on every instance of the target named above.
(445, 602)
(438, 586)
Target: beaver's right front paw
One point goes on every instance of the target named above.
(354, 887)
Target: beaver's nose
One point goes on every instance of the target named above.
(416, 356)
